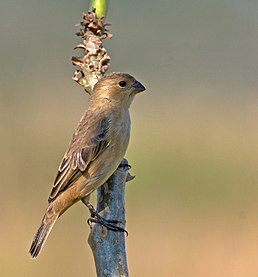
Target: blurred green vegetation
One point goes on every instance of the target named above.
(192, 210)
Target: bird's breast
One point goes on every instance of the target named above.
(120, 133)
(107, 162)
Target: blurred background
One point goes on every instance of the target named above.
(193, 208)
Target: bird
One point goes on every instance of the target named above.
(98, 145)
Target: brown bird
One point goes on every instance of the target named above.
(98, 146)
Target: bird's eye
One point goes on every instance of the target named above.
(122, 84)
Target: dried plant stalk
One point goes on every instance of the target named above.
(108, 247)
(95, 61)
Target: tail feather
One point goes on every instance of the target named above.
(42, 235)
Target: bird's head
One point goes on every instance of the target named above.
(117, 88)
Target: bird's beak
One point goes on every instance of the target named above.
(137, 87)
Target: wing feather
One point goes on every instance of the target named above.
(89, 141)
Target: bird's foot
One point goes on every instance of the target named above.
(124, 165)
(109, 224)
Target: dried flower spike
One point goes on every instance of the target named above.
(95, 61)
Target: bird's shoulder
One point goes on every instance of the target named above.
(92, 128)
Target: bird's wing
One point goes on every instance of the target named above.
(89, 140)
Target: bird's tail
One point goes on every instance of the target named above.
(42, 234)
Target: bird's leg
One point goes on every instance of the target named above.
(96, 218)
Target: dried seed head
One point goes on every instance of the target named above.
(95, 61)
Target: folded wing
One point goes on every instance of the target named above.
(89, 140)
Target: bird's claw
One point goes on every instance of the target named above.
(109, 224)
(124, 165)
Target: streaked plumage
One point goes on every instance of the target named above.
(98, 145)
